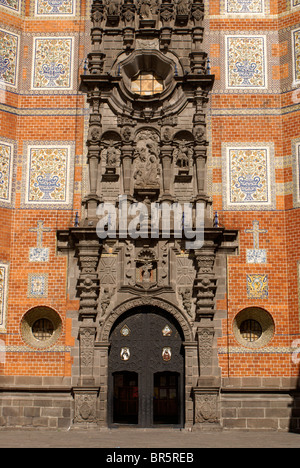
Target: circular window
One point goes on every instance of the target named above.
(41, 327)
(251, 330)
(253, 327)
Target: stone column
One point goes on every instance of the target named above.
(206, 394)
(92, 200)
(86, 393)
(127, 152)
(166, 156)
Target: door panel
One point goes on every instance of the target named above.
(126, 398)
(147, 342)
(166, 398)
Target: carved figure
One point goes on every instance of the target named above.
(146, 160)
(112, 156)
(183, 155)
(182, 7)
(112, 7)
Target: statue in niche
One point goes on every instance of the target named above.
(112, 7)
(183, 155)
(112, 155)
(147, 8)
(182, 7)
(146, 172)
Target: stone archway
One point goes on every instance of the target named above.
(144, 301)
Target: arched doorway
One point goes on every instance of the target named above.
(146, 369)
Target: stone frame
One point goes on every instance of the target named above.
(265, 320)
(37, 313)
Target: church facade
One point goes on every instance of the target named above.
(150, 196)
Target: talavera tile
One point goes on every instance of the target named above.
(245, 6)
(9, 47)
(48, 174)
(13, 5)
(296, 55)
(37, 285)
(246, 62)
(52, 63)
(6, 165)
(249, 178)
(257, 286)
(3, 293)
(54, 7)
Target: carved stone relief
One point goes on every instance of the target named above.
(146, 163)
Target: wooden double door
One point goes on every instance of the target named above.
(146, 370)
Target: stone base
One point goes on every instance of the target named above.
(207, 427)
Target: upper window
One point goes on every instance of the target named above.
(147, 84)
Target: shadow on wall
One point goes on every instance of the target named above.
(294, 425)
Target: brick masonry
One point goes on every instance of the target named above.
(251, 107)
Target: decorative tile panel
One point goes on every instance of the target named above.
(9, 48)
(245, 6)
(296, 55)
(249, 178)
(6, 168)
(3, 294)
(256, 255)
(37, 285)
(246, 62)
(54, 7)
(39, 254)
(257, 286)
(13, 5)
(295, 3)
(295, 162)
(52, 63)
(48, 181)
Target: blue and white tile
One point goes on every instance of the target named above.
(37, 285)
(245, 7)
(52, 67)
(6, 172)
(3, 294)
(9, 58)
(55, 7)
(246, 58)
(49, 176)
(13, 6)
(248, 176)
(296, 56)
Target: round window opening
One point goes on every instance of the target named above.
(42, 329)
(251, 330)
(253, 327)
